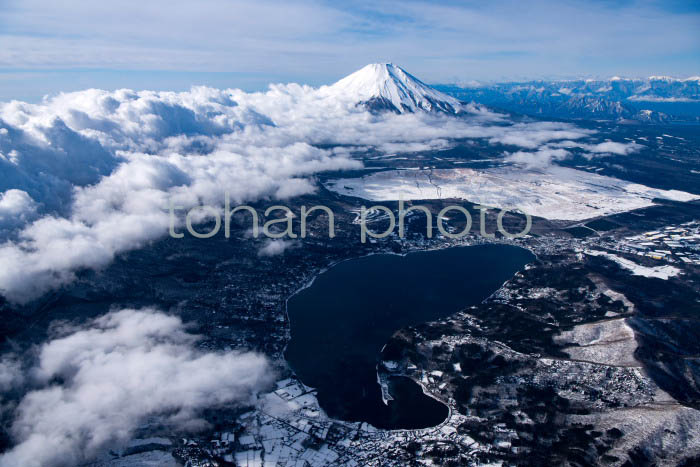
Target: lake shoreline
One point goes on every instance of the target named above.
(485, 249)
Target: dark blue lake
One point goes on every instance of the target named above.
(340, 323)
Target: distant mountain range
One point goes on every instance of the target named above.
(657, 99)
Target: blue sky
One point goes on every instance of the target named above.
(48, 46)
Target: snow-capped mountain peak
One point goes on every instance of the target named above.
(385, 86)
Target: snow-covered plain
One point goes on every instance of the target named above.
(609, 342)
(552, 192)
(659, 272)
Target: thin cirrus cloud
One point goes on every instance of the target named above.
(309, 40)
(93, 386)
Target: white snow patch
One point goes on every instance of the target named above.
(550, 192)
(659, 272)
(606, 342)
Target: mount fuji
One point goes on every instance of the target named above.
(385, 86)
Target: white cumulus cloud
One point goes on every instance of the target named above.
(543, 157)
(606, 147)
(88, 175)
(274, 247)
(16, 208)
(94, 386)
(557, 150)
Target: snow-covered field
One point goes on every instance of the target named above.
(554, 192)
(608, 342)
(660, 272)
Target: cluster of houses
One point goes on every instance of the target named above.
(672, 244)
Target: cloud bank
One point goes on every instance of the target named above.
(557, 150)
(87, 175)
(93, 387)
